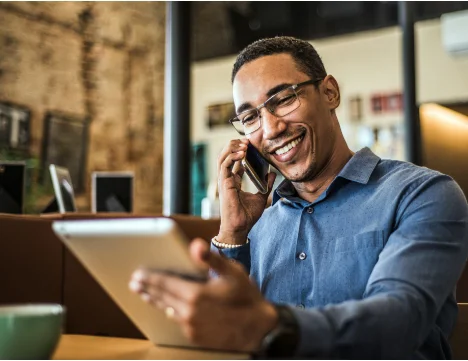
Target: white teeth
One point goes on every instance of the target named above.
(288, 146)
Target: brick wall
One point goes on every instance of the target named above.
(102, 60)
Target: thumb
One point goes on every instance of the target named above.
(199, 249)
(271, 180)
(204, 258)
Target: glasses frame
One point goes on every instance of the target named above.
(265, 105)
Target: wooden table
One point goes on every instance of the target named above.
(79, 347)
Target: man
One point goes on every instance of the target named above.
(357, 257)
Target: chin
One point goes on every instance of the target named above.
(302, 175)
(298, 173)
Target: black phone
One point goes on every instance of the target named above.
(257, 168)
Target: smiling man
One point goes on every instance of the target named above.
(357, 257)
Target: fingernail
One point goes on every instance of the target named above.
(135, 286)
(139, 275)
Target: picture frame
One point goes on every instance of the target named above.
(65, 144)
(355, 108)
(395, 102)
(219, 114)
(377, 104)
(15, 126)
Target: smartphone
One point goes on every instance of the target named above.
(257, 168)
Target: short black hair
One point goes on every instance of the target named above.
(306, 57)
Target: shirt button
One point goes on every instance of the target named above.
(301, 306)
(302, 256)
(310, 210)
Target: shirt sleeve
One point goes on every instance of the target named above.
(416, 272)
(240, 254)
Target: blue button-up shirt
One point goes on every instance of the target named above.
(370, 267)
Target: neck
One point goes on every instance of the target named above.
(312, 189)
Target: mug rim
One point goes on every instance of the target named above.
(31, 309)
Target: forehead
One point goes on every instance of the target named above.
(257, 77)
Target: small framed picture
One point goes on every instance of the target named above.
(377, 104)
(395, 102)
(65, 144)
(355, 108)
(219, 115)
(14, 126)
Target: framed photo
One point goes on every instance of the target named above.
(377, 104)
(12, 186)
(14, 126)
(395, 102)
(355, 108)
(65, 144)
(219, 115)
(112, 192)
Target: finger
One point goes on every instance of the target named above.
(271, 182)
(162, 299)
(199, 251)
(228, 164)
(154, 282)
(139, 288)
(238, 169)
(233, 146)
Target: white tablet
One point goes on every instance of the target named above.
(63, 189)
(112, 249)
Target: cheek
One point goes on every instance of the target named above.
(255, 139)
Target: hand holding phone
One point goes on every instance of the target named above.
(240, 210)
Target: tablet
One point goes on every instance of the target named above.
(63, 188)
(112, 249)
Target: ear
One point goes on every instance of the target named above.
(332, 92)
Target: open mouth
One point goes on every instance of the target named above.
(289, 146)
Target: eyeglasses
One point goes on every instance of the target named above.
(280, 104)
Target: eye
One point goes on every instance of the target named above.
(286, 100)
(249, 118)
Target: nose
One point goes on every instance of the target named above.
(272, 125)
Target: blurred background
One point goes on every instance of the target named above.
(82, 85)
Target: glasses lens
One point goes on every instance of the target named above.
(238, 125)
(283, 103)
(250, 120)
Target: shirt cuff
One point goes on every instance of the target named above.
(315, 336)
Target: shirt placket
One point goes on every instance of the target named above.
(302, 265)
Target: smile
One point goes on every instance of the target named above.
(289, 146)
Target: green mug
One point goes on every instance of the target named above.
(30, 331)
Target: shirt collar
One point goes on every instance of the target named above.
(358, 169)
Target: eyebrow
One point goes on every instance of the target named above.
(272, 91)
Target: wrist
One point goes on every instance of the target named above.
(264, 323)
(239, 238)
(281, 340)
(222, 245)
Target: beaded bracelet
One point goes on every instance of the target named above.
(214, 240)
